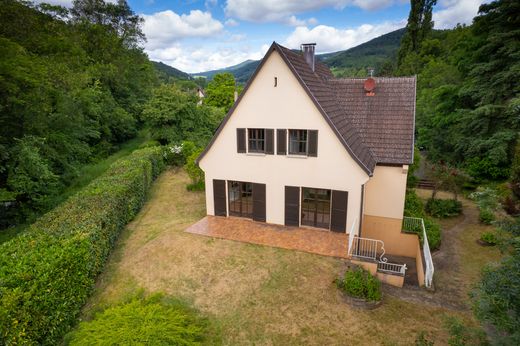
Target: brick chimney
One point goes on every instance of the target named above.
(308, 53)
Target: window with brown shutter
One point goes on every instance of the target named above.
(313, 143)
(269, 141)
(298, 142)
(241, 140)
(281, 141)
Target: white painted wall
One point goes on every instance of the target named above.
(286, 106)
(385, 192)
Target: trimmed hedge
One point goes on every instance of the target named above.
(48, 272)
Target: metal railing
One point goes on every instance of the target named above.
(415, 224)
(392, 268)
(367, 248)
(374, 250)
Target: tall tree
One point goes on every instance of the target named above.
(419, 26)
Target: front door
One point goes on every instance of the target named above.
(240, 196)
(316, 207)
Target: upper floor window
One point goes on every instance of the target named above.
(298, 142)
(256, 140)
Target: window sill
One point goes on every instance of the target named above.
(256, 154)
(295, 156)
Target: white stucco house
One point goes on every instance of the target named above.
(302, 148)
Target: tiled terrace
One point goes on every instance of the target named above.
(316, 241)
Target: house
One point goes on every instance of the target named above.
(201, 95)
(302, 148)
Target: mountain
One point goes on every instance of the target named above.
(166, 71)
(242, 71)
(369, 54)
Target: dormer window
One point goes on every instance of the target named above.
(256, 140)
(298, 142)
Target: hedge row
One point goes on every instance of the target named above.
(48, 272)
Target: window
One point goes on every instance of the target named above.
(298, 142)
(240, 195)
(256, 140)
(316, 207)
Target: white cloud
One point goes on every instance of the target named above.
(163, 28)
(198, 59)
(293, 21)
(280, 10)
(453, 12)
(231, 22)
(330, 39)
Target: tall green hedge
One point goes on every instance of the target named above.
(48, 272)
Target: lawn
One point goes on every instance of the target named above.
(255, 294)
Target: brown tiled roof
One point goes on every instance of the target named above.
(379, 128)
(374, 129)
(385, 120)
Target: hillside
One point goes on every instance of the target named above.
(369, 54)
(166, 71)
(242, 71)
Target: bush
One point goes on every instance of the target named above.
(443, 208)
(48, 272)
(462, 335)
(153, 321)
(192, 168)
(489, 238)
(413, 206)
(486, 216)
(433, 232)
(359, 283)
(177, 155)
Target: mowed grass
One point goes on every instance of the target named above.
(255, 294)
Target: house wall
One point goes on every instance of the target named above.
(385, 192)
(286, 106)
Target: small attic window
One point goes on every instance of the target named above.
(275, 82)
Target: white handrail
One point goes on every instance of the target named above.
(351, 236)
(416, 224)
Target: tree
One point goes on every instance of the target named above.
(174, 116)
(418, 28)
(220, 92)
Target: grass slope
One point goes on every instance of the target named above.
(258, 294)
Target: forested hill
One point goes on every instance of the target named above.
(71, 91)
(350, 62)
(374, 53)
(166, 71)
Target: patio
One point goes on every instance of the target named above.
(312, 240)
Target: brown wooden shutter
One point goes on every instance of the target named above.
(219, 197)
(338, 219)
(292, 206)
(313, 143)
(269, 141)
(361, 209)
(281, 141)
(241, 140)
(259, 202)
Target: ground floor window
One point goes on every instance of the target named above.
(316, 207)
(240, 195)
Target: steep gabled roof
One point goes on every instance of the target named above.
(385, 120)
(375, 129)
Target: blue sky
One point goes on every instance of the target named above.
(200, 35)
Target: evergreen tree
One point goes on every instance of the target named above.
(418, 28)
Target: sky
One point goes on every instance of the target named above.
(201, 35)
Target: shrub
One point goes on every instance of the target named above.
(359, 283)
(48, 272)
(461, 334)
(433, 232)
(154, 321)
(192, 168)
(443, 208)
(178, 154)
(489, 238)
(423, 340)
(413, 206)
(486, 216)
